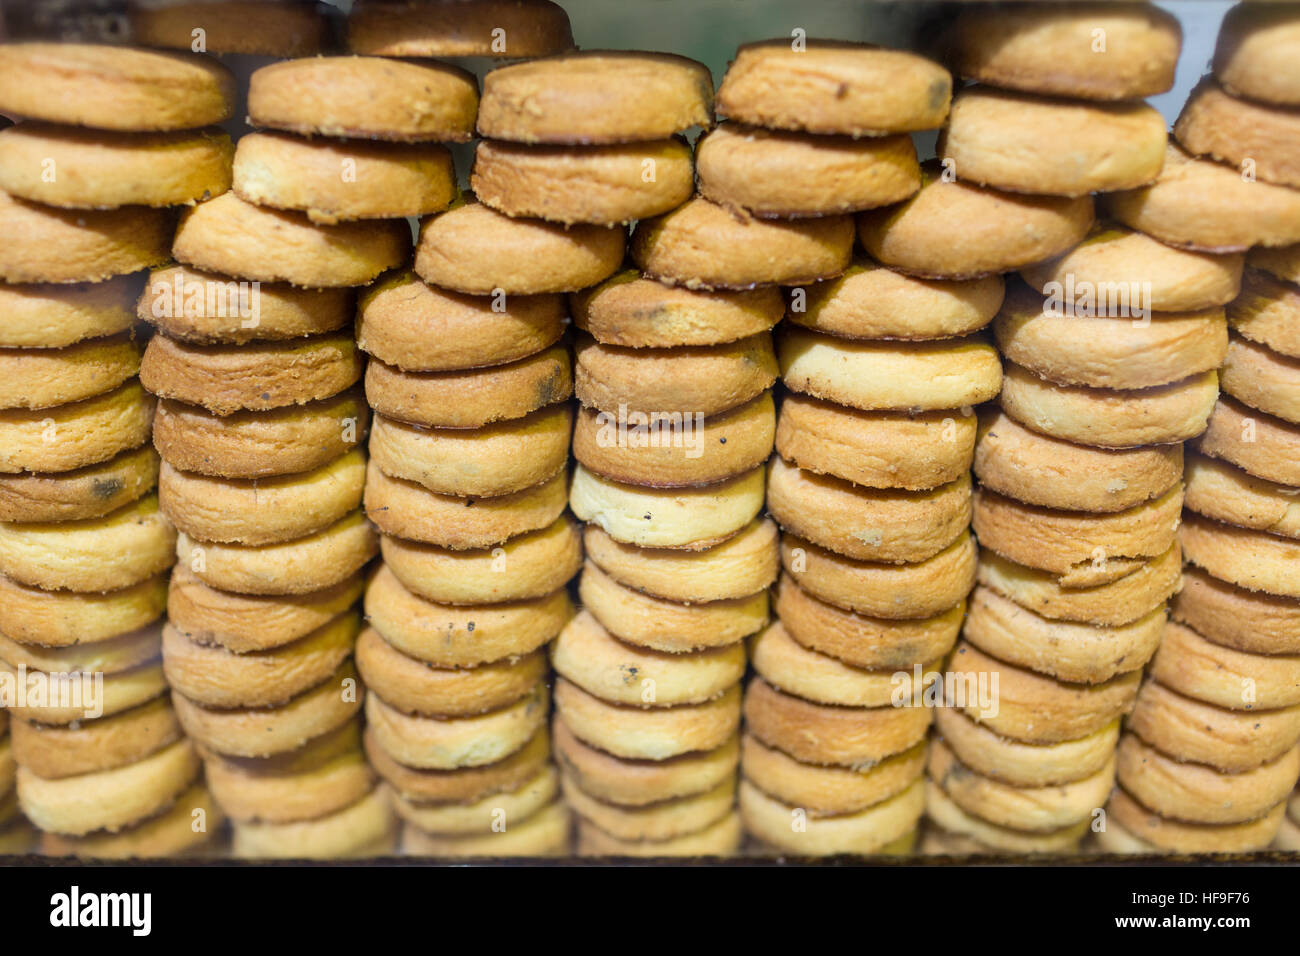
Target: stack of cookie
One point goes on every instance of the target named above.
(111, 137)
(260, 427)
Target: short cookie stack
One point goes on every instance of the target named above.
(111, 137)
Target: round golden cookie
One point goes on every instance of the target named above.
(1252, 622)
(1111, 604)
(1203, 205)
(409, 510)
(896, 591)
(486, 28)
(742, 565)
(464, 784)
(497, 459)
(474, 249)
(603, 185)
(944, 812)
(530, 565)
(1233, 741)
(450, 636)
(1110, 417)
(1052, 473)
(1198, 794)
(114, 87)
(54, 315)
(485, 816)
(63, 618)
(116, 655)
(1178, 837)
(669, 627)
(636, 783)
(1254, 560)
(42, 378)
(77, 435)
(114, 551)
(596, 97)
(264, 732)
(1082, 549)
(633, 311)
(254, 376)
(84, 169)
(689, 518)
(1265, 446)
(1254, 137)
(262, 511)
(828, 791)
(455, 742)
(471, 398)
(856, 737)
(1223, 676)
(412, 687)
(233, 26)
(1283, 263)
(873, 302)
(413, 326)
(1255, 55)
(1068, 651)
(912, 450)
(186, 829)
(721, 839)
(1103, 350)
(50, 751)
(1267, 312)
(952, 229)
(995, 138)
(544, 834)
(367, 828)
(362, 97)
(781, 175)
(666, 382)
(621, 673)
(1031, 707)
(1261, 378)
(251, 444)
(340, 180)
(109, 799)
(666, 820)
(867, 524)
(881, 375)
(823, 86)
(234, 237)
(47, 244)
(692, 451)
(84, 493)
(213, 676)
(704, 245)
(211, 309)
(879, 829)
(1022, 763)
(72, 699)
(1218, 490)
(298, 566)
(244, 623)
(654, 733)
(1054, 50)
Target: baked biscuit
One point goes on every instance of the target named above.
(53, 315)
(464, 784)
(1022, 763)
(233, 26)
(829, 790)
(1267, 312)
(43, 378)
(1265, 446)
(1223, 676)
(76, 435)
(721, 839)
(1253, 622)
(666, 820)
(482, 817)
(943, 811)
(113, 656)
(544, 834)
(53, 752)
(1255, 55)
(1261, 378)
(367, 828)
(170, 833)
(398, 28)
(885, 829)
(1225, 493)
(63, 618)
(1250, 559)
(647, 733)
(1282, 262)
(1173, 836)
(1252, 136)
(70, 702)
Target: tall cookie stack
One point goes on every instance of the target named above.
(112, 136)
(260, 425)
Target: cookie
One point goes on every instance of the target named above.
(1223, 676)
(1021, 763)
(54, 752)
(53, 315)
(170, 833)
(1255, 55)
(234, 237)
(1250, 559)
(867, 524)
(703, 245)
(633, 311)
(64, 618)
(655, 733)
(881, 375)
(721, 839)
(1178, 837)
(104, 170)
(1282, 262)
(84, 493)
(492, 28)
(824, 86)
(1253, 622)
(69, 702)
(77, 435)
(1267, 312)
(363, 97)
(603, 185)
(486, 816)
(114, 87)
(952, 229)
(1260, 444)
(464, 784)
(46, 244)
(885, 828)
(595, 98)
(42, 378)
(114, 656)
(336, 180)
(666, 820)
(233, 26)
(946, 813)
(912, 450)
(474, 249)
(1253, 136)
(366, 828)
(784, 175)
(828, 791)
(1261, 378)
(994, 138)
(1054, 50)
(1225, 493)
(544, 834)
